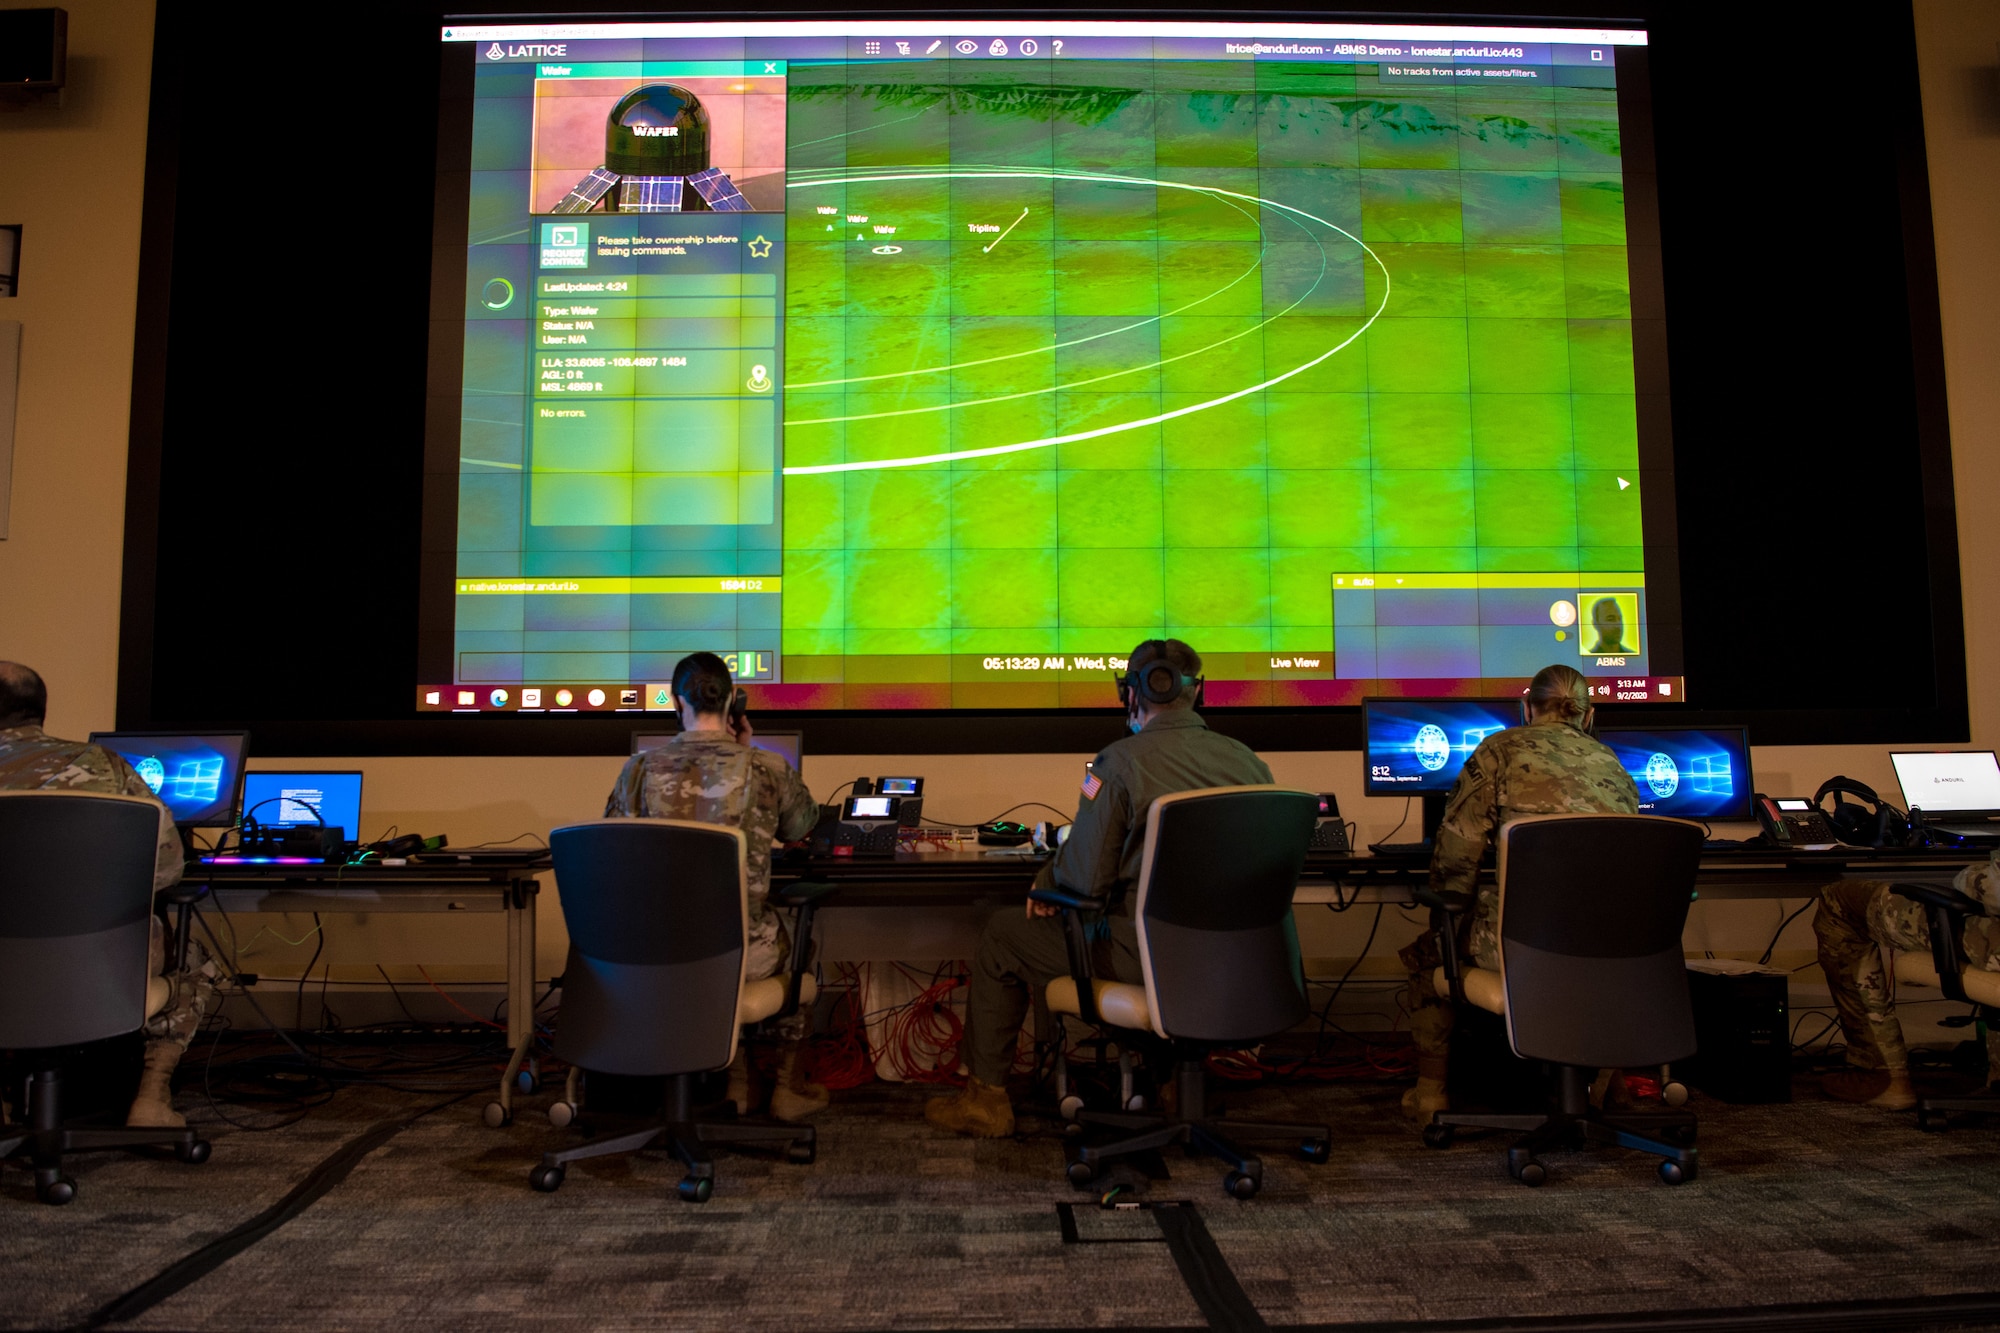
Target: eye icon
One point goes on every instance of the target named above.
(966, 47)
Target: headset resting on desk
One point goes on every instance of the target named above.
(1878, 824)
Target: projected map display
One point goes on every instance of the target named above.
(931, 369)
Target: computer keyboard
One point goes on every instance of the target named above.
(1400, 848)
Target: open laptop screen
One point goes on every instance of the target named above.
(281, 800)
(1949, 782)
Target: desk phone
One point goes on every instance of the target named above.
(1794, 821)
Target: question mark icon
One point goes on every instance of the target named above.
(1057, 43)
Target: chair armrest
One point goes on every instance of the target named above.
(1457, 904)
(1075, 902)
(801, 892)
(184, 894)
(1077, 944)
(1447, 909)
(803, 897)
(1945, 911)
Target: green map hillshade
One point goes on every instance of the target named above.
(1163, 346)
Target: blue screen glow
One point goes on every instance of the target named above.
(1416, 747)
(1696, 773)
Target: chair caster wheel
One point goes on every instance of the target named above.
(59, 1191)
(195, 1153)
(1069, 1106)
(1675, 1094)
(529, 1079)
(546, 1179)
(497, 1116)
(695, 1189)
(802, 1154)
(1135, 1102)
(562, 1114)
(1316, 1150)
(1080, 1173)
(1674, 1173)
(1532, 1173)
(1438, 1136)
(1238, 1185)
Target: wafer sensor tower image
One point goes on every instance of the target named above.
(656, 155)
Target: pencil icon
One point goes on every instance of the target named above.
(934, 46)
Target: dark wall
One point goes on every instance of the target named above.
(279, 394)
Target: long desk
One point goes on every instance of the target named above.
(489, 885)
(962, 878)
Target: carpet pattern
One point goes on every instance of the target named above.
(898, 1227)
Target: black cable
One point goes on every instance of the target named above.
(399, 997)
(1781, 930)
(1326, 1009)
(1067, 816)
(849, 785)
(319, 943)
(1399, 823)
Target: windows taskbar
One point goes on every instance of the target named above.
(486, 698)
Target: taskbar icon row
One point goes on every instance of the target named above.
(650, 698)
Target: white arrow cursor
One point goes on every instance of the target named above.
(1622, 483)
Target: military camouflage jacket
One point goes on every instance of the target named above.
(33, 760)
(707, 777)
(1981, 880)
(1175, 752)
(1544, 768)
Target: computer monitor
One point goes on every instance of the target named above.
(1962, 783)
(1689, 772)
(1416, 747)
(789, 746)
(195, 773)
(282, 800)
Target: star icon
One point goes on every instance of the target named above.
(760, 248)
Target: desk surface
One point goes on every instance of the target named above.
(918, 878)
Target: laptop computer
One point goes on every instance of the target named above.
(288, 800)
(1958, 790)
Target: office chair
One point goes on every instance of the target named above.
(1213, 911)
(1591, 976)
(74, 932)
(1945, 967)
(657, 911)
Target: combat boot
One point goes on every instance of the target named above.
(153, 1108)
(1891, 1090)
(742, 1092)
(794, 1097)
(1428, 1097)
(982, 1111)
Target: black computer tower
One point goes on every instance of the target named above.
(1742, 1023)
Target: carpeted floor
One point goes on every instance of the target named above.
(898, 1227)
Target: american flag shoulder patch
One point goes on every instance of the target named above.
(1091, 782)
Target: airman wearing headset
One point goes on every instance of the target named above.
(1170, 749)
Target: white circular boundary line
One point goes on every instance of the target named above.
(1139, 423)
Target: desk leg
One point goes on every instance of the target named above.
(520, 995)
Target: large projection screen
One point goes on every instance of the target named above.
(917, 366)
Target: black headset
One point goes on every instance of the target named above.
(1879, 825)
(1158, 682)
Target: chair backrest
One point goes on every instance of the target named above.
(1214, 910)
(1591, 913)
(657, 911)
(76, 892)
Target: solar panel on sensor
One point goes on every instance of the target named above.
(650, 194)
(718, 191)
(588, 191)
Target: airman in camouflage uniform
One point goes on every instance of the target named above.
(710, 774)
(1551, 766)
(33, 760)
(708, 777)
(1856, 918)
(1019, 953)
